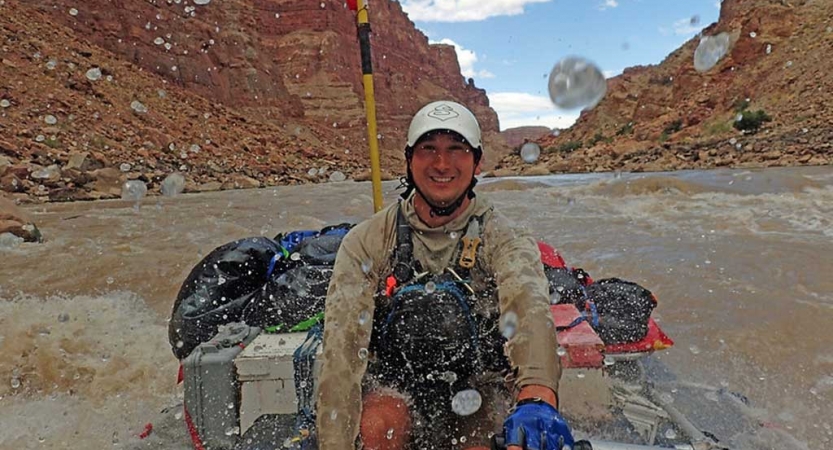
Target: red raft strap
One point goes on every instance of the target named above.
(192, 431)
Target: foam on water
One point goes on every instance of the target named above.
(738, 259)
(97, 364)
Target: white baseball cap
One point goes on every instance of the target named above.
(445, 115)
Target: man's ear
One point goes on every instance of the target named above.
(479, 167)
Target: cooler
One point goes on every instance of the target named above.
(265, 372)
(211, 387)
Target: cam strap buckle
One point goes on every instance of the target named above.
(469, 252)
(471, 240)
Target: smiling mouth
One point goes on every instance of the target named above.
(441, 179)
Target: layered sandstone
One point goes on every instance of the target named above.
(238, 93)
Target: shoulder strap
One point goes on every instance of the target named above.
(403, 254)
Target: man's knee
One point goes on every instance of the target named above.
(385, 423)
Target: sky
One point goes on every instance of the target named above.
(509, 46)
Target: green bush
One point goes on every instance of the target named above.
(673, 127)
(626, 129)
(751, 121)
(570, 146)
(599, 137)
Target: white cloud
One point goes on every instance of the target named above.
(684, 27)
(608, 4)
(463, 10)
(467, 59)
(517, 109)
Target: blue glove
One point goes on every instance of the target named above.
(536, 425)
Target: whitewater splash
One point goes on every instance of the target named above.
(737, 259)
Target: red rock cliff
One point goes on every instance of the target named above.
(284, 61)
(670, 116)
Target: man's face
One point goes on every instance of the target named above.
(442, 167)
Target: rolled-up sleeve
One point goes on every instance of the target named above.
(348, 322)
(523, 295)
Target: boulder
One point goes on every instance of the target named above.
(108, 182)
(15, 221)
(239, 181)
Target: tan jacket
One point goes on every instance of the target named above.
(509, 257)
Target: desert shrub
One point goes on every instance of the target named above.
(751, 121)
(570, 146)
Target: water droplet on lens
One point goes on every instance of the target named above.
(73, 12)
(530, 152)
(337, 176)
(753, 35)
(508, 324)
(159, 41)
(364, 317)
(137, 106)
(110, 280)
(694, 350)
(173, 185)
(93, 74)
(576, 83)
(389, 434)
(710, 50)
(609, 361)
(50, 119)
(670, 434)
(134, 190)
(466, 402)
(5, 103)
(333, 414)
(362, 353)
(430, 287)
(561, 351)
(15, 383)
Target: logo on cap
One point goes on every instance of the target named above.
(443, 113)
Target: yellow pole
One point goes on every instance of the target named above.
(370, 105)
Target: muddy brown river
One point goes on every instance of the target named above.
(741, 261)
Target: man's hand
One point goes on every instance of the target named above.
(535, 423)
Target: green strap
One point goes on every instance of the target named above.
(309, 323)
(304, 325)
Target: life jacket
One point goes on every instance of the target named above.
(425, 327)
